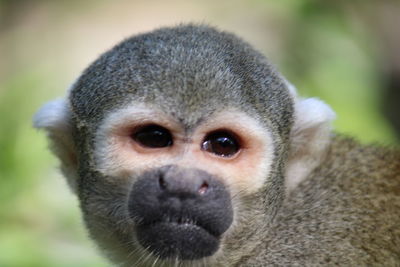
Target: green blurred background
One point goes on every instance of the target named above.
(344, 52)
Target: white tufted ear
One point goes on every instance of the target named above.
(310, 137)
(55, 118)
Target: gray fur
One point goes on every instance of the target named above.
(347, 212)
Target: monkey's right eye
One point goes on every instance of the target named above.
(221, 143)
(153, 136)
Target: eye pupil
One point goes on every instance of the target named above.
(153, 136)
(220, 143)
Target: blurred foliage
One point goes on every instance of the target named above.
(38, 225)
(336, 62)
(320, 49)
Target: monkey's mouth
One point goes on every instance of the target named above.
(174, 219)
(182, 238)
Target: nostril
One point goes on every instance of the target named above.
(161, 181)
(203, 188)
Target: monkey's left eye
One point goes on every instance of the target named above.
(153, 136)
(221, 143)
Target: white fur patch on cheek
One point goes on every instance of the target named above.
(252, 174)
(250, 179)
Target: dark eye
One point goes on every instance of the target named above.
(153, 136)
(221, 143)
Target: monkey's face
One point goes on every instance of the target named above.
(175, 142)
(168, 191)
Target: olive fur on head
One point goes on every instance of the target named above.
(186, 147)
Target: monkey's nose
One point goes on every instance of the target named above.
(183, 183)
(172, 192)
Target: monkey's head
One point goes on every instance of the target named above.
(181, 145)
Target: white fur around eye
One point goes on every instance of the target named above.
(252, 166)
(113, 154)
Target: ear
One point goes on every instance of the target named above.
(310, 138)
(55, 118)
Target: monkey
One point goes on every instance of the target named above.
(186, 147)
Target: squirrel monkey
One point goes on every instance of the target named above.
(186, 147)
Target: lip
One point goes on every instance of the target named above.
(180, 222)
(180, 225)
(186, 240)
